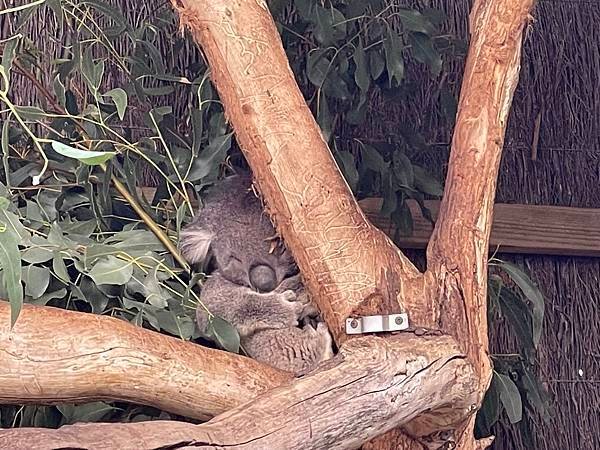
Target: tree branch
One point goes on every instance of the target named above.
(349, 266)
(372, 386)
(54, 356)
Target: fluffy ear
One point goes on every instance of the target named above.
(194, 244)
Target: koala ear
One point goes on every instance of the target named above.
(195, 244)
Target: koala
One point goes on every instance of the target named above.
(255, 284)
(233, 227)
(295, 349)
(249, 311)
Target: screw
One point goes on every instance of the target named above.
(354, 323)
(399, 320)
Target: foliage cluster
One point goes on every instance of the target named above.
(80, 232)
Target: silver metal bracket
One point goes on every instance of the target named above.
(376, 324)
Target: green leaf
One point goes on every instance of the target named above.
(10, 263)
(330, 25)
(37, 255)
(424, 51)
(393, 55)
(59, 90)
(88, 157)
(36, 280)
(324, 118)
(154, 293)
(536, 394)
(224, 334)
(176, 324)
(490, 410)
(210, 158)
(390, 200)
(111, 270)
(88, 412)
(426, 183)
(30, 112)
(403, 220)
(372, 159)
(119, 97)
(510, 397)
(518, 316)
(413, 20)
(361, 74)
(317, 66)
(449, 104)
(376, 64)
(108, 11)
(60, 269)
(8, 55)
(532, 293)
(403, 170)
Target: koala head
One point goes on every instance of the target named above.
(232, 229)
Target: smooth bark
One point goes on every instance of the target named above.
(55, 356)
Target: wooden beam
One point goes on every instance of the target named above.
(534, 229)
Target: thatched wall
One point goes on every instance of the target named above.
(560, 82)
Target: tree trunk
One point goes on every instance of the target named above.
(371, 386)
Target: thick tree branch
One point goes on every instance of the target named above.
(53, 356)
(349, 266)
(457, 253)
(372, 386)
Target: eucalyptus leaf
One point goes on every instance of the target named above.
(175, 324)
(224, 334)
(210, 158)
(111, 270)
(36, 280)
(403, 170)
(88, 412)
(317, 66)
(426, 183)
(37, 255)
(361, 74)
(10, 263)
(119, 97)
(425, 52)
(376, 64)
(531, 292)
(372, 159)
(60, 268)
(510, 397)
(89, 157)
(349, 168)
(30, 112)
(393, 55)
(413, 20)
(518, 316)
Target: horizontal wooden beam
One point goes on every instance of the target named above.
(543, 230)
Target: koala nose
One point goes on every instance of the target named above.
(263, 278)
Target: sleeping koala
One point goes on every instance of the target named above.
(255, 285)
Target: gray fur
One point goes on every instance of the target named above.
(255, 285)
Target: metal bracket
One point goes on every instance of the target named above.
(376, 324)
